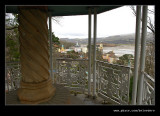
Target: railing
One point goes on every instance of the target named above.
(148, 96)
(72, 74)
(113, 82)
(12, 76)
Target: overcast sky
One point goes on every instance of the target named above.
(114, 22)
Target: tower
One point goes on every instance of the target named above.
(62, 48)
(101, 48)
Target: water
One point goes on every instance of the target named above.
(120, 50)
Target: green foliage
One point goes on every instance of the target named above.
(12, 42)
(66, 44)
(55, 39)
(125, 59)
(72, 54)
(130, 88)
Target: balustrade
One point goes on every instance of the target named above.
(72, 74)
(112, 80)
(148, 96)
(13, 76)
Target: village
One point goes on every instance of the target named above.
(82, 51)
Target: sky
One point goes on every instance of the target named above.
(114, 22)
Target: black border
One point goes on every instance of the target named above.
(73, 108)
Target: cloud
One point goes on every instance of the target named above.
(114, 22)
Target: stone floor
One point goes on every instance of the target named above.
(61, 97)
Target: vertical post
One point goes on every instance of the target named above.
(143, 53)
(50, 38)
(89, 52)
(136, 54)
(94, 53)
(98, 69)
(57, 71)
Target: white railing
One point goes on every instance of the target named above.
(113, 82)
(12, 76)
(72, 73)
(148, 96)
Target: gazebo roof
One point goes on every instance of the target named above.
(68, 10)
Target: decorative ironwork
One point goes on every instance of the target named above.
(72, 73)
(13, 76)
(113, 82)
(148, 96)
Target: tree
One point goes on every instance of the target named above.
(12, 35)
(72, 54)
(125, 59)
(55, 40)
(66, 44)
(150, 23)
(55, 46)
(150, 45)
(57, 19)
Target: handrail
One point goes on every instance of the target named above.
(113, 64)
(149, 77)
(69, 59)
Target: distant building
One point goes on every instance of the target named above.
(79, 48)
(110, 57)
(77, 45)
(62, 50)
(84, 49)
(100, 48)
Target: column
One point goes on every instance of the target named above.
(94, 53)
(89, 51)
(143, 53)
(136, 54)
(50, 38)
(36, 84)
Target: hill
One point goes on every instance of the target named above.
(117, 39)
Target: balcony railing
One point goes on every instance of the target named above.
(112, 81)
(72, 74)
(148, 96)
(12, 76)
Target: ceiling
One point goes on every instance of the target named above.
(67, 10)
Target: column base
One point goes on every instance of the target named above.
(36, 93)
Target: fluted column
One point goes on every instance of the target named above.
(36, 84)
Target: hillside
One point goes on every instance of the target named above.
(117, 39)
